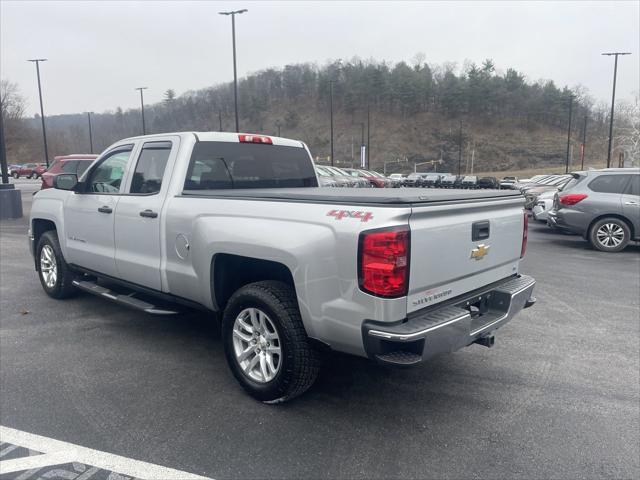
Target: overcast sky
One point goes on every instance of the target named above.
(99, 51)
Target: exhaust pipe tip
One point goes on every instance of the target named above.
(488, 341)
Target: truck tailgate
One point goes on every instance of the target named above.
(450, 256)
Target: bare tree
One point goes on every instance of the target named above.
(13, 103)
(628, 137)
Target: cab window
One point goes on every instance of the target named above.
(107, 176)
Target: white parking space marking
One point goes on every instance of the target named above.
(56, 452)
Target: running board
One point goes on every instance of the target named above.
(126, 300)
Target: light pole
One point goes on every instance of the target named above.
(584, 143)
(362, 148)
(566, 170)
(90, 133)
(331, 110)
(44, 131)
(460, 149)
(235, 71)
(368, 137)
(144, 129)
(613, 100)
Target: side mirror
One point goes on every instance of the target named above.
(65, 181)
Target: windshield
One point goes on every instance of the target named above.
(224, 165)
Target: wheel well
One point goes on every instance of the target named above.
(231, 272)
(38, 228)
(612, 215)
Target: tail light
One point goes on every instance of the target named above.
(571, 198)
(255, 139)
(525, 234)
(383, 262)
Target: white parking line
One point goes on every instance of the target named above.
(56, 452)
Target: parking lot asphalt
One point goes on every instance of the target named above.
(558, 396)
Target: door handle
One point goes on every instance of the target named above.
(105, 209)
(631, 203)
(148, 214)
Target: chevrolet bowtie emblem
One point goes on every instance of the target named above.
(480, 251)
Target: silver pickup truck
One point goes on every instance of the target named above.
(236, 224)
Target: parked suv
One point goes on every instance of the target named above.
(602, 205)
(76, 163)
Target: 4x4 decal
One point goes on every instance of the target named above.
(340, 214)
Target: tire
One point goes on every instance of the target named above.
(298, 363)
(15, 175)
(609, 234)
(49, 255)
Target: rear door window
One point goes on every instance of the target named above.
(147, 177)
(634, 186)
(609, 183)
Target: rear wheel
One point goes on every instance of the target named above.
(55, 275)
(609, 234)
(265, 343)
(15, 175)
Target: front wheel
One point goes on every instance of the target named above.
(15, 175)
(265, 343)
(55, 275)
(609, 235)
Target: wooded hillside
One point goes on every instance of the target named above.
(417, 113)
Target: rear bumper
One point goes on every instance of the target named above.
(466, 320)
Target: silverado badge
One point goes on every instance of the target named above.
(480, 251)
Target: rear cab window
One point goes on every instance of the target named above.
(231, 165)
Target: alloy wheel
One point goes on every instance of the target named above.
(610, 235)
(257, 345)
(48, 266)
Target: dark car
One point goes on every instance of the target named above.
(77, 164)
(601, 205)
(488, 182)
(414, 180)
(432, 180)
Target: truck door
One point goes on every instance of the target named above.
(89, 215)
(138, 219)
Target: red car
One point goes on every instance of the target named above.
(24, 170)
(76, 163)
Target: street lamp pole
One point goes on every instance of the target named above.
(613, 101)
(368, 137)
(44, 131)
(90, 133)
(566, 170)
(584, 143)
(144, 129)
(460, 149)
(331, 110)
(235, 70)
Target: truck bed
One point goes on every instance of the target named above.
(357, 196)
